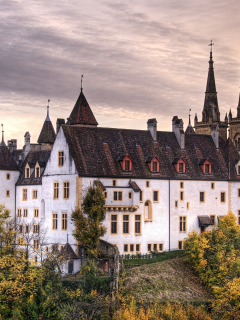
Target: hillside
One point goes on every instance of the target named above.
(166, 280)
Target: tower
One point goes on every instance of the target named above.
(47, 135)
(234, 124)
(210, 113)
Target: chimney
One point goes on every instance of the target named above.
(26, 147)
(215, 134)
(59, 123)
(12, 145)
(177, 128)
(152, 127)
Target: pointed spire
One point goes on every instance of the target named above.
(189, 117)
(2, 143)
(47, 118)
(47, 134)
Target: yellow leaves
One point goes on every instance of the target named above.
(93, 293)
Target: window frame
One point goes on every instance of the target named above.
(64, 221)
(141, 193)
(66, 190)
(204, 199)
(36, 228)
(181, 185)
(188, 205)
(24, 194)
(182, 244)
(25, 210)
(8, 174)
(148, 184)
(118, 192)
(57, 190)
(130, 195)
(36, 213)
(34, 191)
(137, 214)
(114, 182)
(126, 221)
(105, 194)
(183, 224)
(114, 221)
(157, 196)
(54, 221)
(222, 192)
(19, 213)
(35, 241)
(8, 193)
(151, 244)
(212, 185)
(61, 158)
(176, 203)
(181, 195)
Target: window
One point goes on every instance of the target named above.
(25, 213)
(24, 194)
(20, 228)
(35, 213)
(179, 164)
(34, 194)
(27, 228)
(149, 246)
(154, 166)
(155, 196)
(182, 224)
(138, 229)
(55, 190)
(238, 193)
(147, 184)
(202, 196)
(54, 221)
(160, 247)
(8, 176)
(126, 229)
(181, 185)
(117, 196)
(155, 247)
(202, 229)
(114, 183)
(138, 246)
(212, 217)
(180, 167)
(223, 197)
(176, 204)
(127, 165)
(131, 247)
(105, 194)
(19, 213)
(7, 193)
(36, 228)
(129, 195)
(60, 158)
(37, 172)
(187, 205)
(35, 244)
(141, 196)
(213, 185)
(27, 172)
(207, 168)
(64, 221)
(181, 195)
(125, 248)
(114, 224)
(180, 245)
(65, 190)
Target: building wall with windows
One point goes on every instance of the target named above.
(7, 189)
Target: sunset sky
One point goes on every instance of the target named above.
(140, 59)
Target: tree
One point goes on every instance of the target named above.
(88, 220)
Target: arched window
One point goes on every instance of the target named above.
(42, 209)
(146, 210)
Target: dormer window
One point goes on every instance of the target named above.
(179, 164)
(37, 172)
(153, 163)
(27, 171)
(125, 162)
(206, 165)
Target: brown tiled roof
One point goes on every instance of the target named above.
(99, 184)
(47, 134)
(68, 252)
(134, 185)
(82, 113)
(32, 158)
(95, 152)
(6, 160)
(205, 221)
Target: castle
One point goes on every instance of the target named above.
(158, 185)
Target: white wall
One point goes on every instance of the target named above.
(5, 185)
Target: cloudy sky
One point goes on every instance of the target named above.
(140, 59)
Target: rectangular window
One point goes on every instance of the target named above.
(20, 228)
(154, 166)
(114, 224)
(60, 158)
(182, 224)
(180, 245)
(129, 195)
(117, 196)
(55, 190)
(213, 219)
(24, 194)
(105, 194)
(181, 185)
(155, 196)
(147, 184)
(64, 221)
(160, 247)
(223, 197)
(206, 168)
(19, 213)
(154, 247)
(27, 172)
(138, 224)
(180, 167)
(213, 185)
(35, 213)
(202, 229)
(149, 247)
(65, 190)
(37, 172)
(8, 193)
(126, 229)
(141, 196)
(138, 246)
(131, 247)
(127, 165)
(202, 196)
(25, 213)
(176, 204)
(36, 228)
(181, 195)
(125, 248)
(35, 244)
(8, 176)
(27, 228)
(114, 183)
(187, 205)
(54, 221)
(34, 194)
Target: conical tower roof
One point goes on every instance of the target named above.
(82, 113)
(47, 134)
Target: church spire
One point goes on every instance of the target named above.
(2, 144)
(47, 134)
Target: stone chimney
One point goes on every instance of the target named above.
(12, 145)
(177, 128)
(215, 134)
(152, 127)
(26, 147)
(59, 123)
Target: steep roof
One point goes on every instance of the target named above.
(47, 134)
(82, 113)
(95, 152)
(32, 158)
(190, 129)
(6, 160)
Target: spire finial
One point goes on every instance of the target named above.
(47, 118)
(211, 44)
(81, 82)
(189, 116)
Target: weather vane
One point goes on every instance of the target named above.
(81, 82)
(211, 44)
(189, 116)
